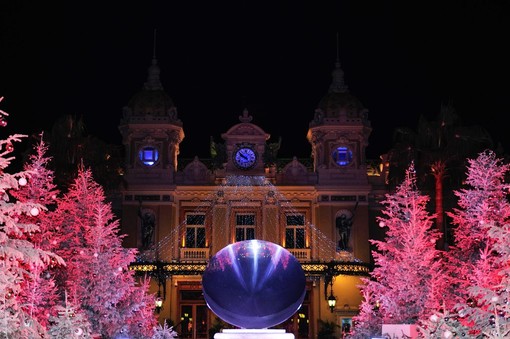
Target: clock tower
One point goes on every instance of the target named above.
(151, 134)
(339, 135)
(245, 146)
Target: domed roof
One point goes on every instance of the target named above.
(339, 105)
(152, 101)
(335, 104)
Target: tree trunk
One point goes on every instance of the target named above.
(438, 170)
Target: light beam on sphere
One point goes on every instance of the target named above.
(254, 284)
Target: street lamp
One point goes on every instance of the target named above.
(159, 302)
(331, 302)
(161, 275)
(331, 299)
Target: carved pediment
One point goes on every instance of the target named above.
(245, 129)
(197, 172)
(294, 173)
(294, 169)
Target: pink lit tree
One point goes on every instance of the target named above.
(97, 274)
(405, 285)
(39, 291)
(20, 260)
(482, 204)
(480, 258)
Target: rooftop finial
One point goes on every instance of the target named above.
(337, 49)
(154, 46)
(246, 117)
(153, 82)
(338, 84)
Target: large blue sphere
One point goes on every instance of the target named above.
(254, 284)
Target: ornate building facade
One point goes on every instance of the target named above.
(321, 209)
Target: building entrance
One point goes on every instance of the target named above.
(194, 324)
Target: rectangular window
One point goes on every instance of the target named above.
(245, 226)
(245, 219)
(195, 219)
(195, 231)
(295, 219)
(343, 198)
(295, 231)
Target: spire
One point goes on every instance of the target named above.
(338, 84)
(153, 82)
(154, 46)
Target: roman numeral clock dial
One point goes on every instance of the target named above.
(245, 158)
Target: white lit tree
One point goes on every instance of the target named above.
(493, 312)
(68, 323)
(164, 332)
(368, 322)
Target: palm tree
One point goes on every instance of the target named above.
(439, 149)
(71, 145)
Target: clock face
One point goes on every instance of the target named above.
(245, 157)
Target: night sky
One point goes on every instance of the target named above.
(401, 59)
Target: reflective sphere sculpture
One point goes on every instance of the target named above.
(254, 284)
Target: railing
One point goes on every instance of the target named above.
(194, 254)
(197, 267)
(301, 254)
